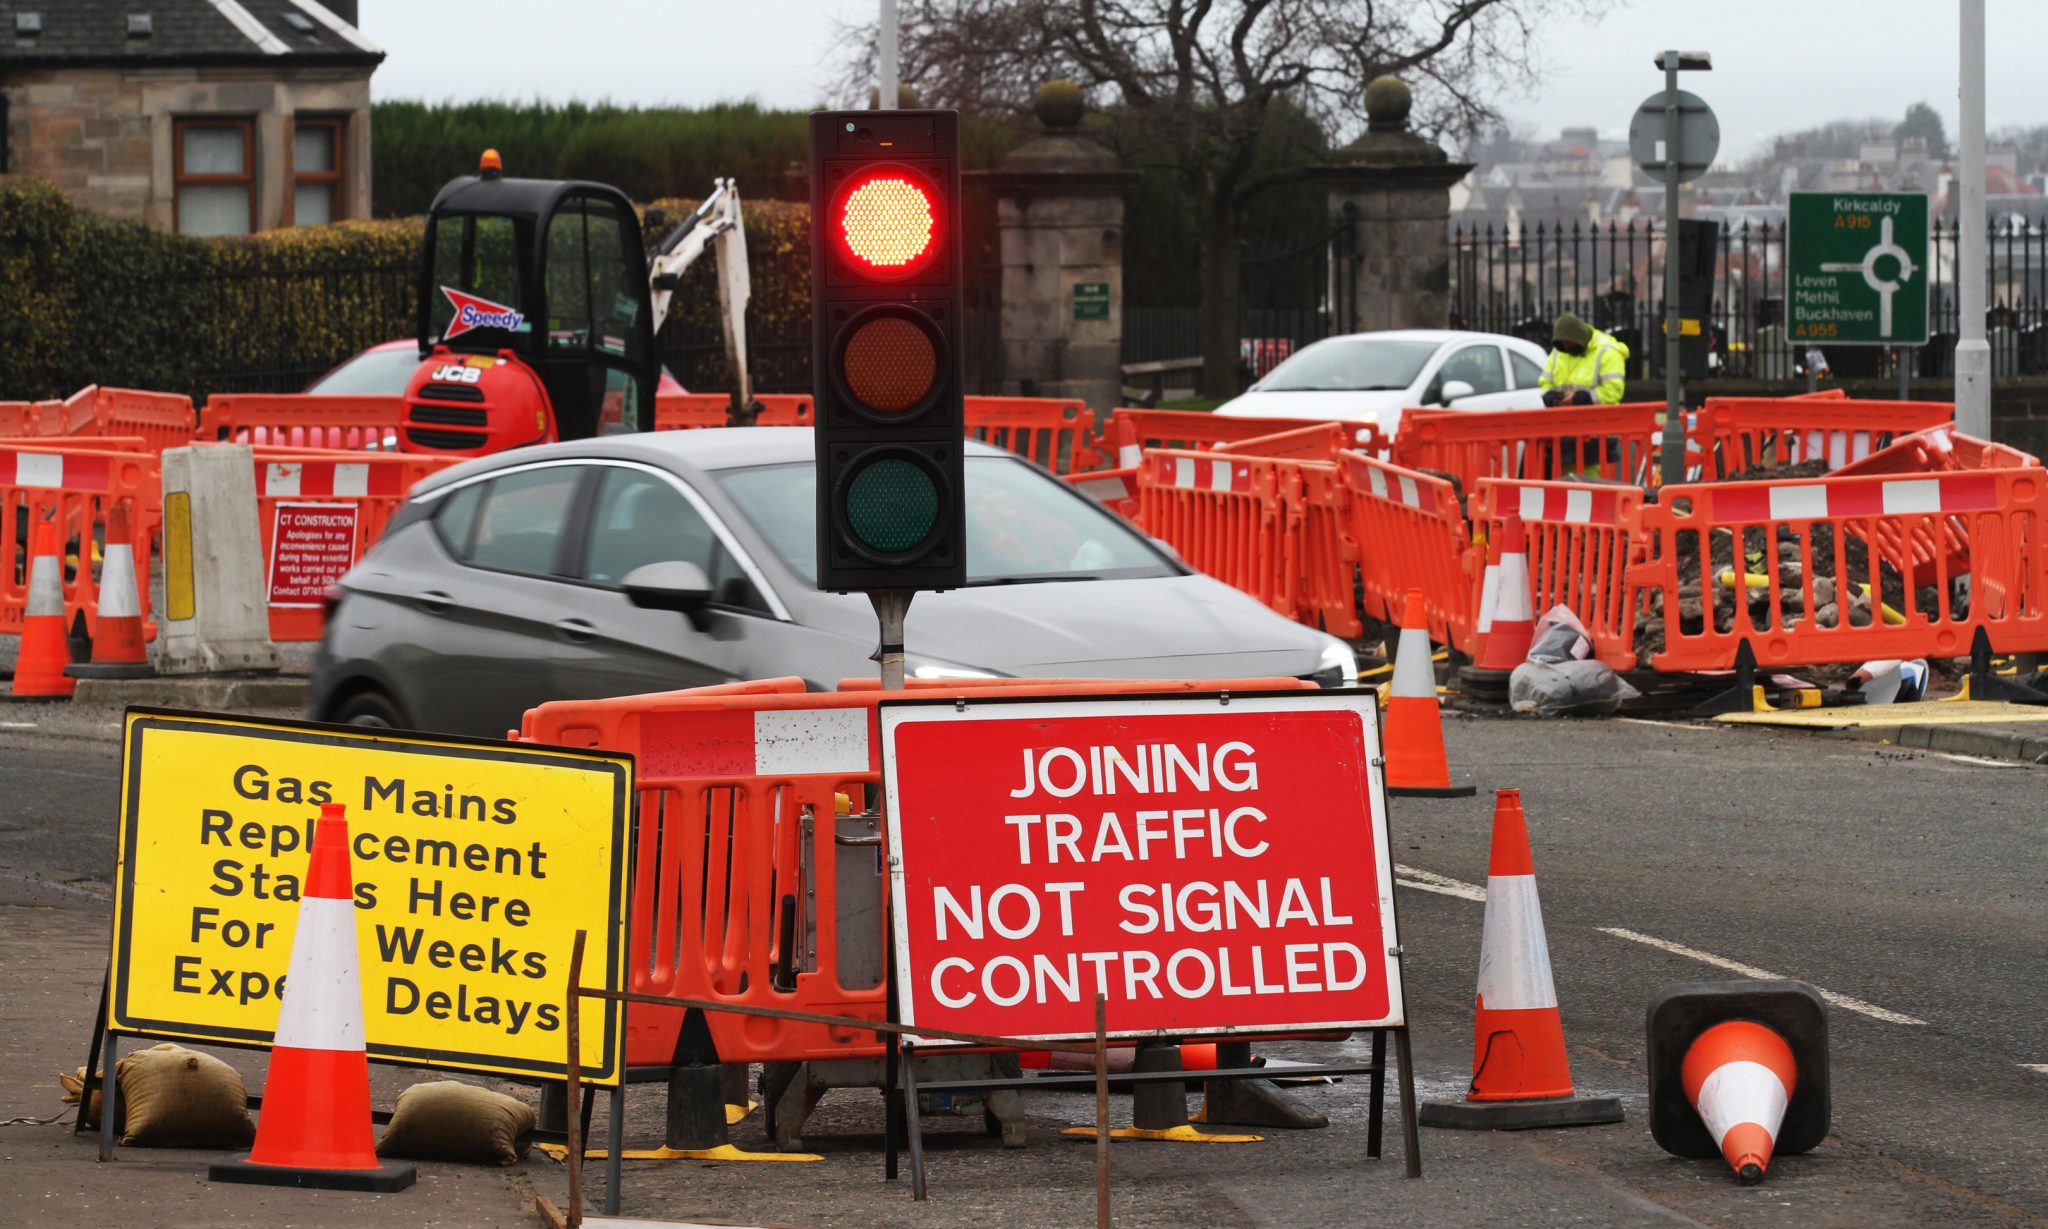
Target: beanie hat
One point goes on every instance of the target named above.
(1572, 329)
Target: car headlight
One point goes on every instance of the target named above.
(1338, 666)
(945, 670)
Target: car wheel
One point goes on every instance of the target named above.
(371, 709)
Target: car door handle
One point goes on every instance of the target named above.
(434, 601)
(577, 630)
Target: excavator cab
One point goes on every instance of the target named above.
(534, 309)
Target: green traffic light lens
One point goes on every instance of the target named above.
(892, 505)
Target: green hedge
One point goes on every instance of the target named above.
(91, 300)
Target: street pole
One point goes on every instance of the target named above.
(892, 607)
(1674, 410)
(1973, 353)
(887, 94)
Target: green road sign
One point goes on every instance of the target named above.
(1858, 264)
(1091, 300)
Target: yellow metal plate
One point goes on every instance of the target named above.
(1920, 712)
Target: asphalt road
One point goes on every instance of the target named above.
(1909, 886)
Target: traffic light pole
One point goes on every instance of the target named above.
(892, 607)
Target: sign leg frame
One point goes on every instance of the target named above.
(92, 1081)
(911, 1123)
(1378, 1094)
(1411, 1133)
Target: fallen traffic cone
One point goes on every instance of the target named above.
(1511, 623)
(1520, 1074)
(314, 1129)
(45, 644)
(1739, 1070)
(1414, 738)
(117, 648)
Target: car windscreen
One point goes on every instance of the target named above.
(374, 373)
(1350, 365)
(1022, 526)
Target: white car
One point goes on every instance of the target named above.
(1372, 377)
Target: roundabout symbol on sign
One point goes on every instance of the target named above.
(1885, 289)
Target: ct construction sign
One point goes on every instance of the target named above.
(1210, 864)
(475, 864)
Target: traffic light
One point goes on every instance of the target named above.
(885, 349)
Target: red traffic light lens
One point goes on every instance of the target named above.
(889, 364)
(887, 222)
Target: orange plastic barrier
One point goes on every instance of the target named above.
(1937, 450)
(739, 873)
(1617, 443)
(692, 411)
(1859, 543)
(1225, 515)
(1128, 434)
(1320, 553)
(74, 484)
(367, 487)
(1055, 433)
(1578, 537)
(297, 420)
(1411, 534)
(164, 420)
(1319, 442)
(1738, 434)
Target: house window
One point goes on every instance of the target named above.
(215, 176)
(316, 171)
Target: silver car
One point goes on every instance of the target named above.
(503, 583)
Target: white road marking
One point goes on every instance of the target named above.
(2041, 1068)
(1442, 885)
(1842, 1001)
(1666, 725)
(17, 725)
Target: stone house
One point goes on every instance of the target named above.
(208, 117)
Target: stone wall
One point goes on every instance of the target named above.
(1050, 244)
(104, 135)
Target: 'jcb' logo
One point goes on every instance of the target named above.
(457, 373)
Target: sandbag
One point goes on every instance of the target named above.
(1568, 689)
(172, 1097)
(448, 1120)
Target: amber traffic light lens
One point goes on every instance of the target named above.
(889, 364)
(887, 223)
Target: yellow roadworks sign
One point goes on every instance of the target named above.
(475, 864)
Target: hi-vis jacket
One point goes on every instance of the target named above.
(1599, 371)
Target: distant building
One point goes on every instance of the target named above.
(208, 117)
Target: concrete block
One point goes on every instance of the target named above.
(215, 616)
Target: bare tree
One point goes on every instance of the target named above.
(1192, 84)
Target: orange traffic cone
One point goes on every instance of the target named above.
(1489, 589)
(1511, 623)
(1414, 737)
(45, 647)
(1739, 1077)
(1739, 1070)
(117, 649)
(1520, 1074)
(314, 1130)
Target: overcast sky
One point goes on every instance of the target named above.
(1778, 64)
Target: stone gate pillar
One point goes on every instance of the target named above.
(1060, 213)
(1392, 189)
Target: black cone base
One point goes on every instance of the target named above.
(111, 670)
(387, 1177)
(1521, 1115)
(1430, 791)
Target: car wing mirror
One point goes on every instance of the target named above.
(1455, 390)
(673, 584)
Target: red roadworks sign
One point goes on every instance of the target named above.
(1211, 864)
(313, 544)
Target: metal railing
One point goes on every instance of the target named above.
(1517, 280)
